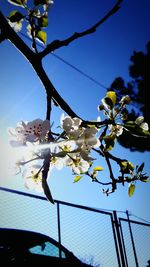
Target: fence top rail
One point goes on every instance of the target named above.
(55, 201)
(133, 221)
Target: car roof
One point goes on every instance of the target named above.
(25, 238)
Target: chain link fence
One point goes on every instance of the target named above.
(136, 238)
(91, 234)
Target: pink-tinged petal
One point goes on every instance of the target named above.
(91, 131)
(85, 155)
(75, 134)
(11, 131)
(45, 127)
(34, 124)
(19, 130)
(37, 121)
(98, 143)
(15, 143)
(31, 138)
(46, 124)
(67, 124)
(22, 124)
(77, 122)
(92, 141)
(30, 131)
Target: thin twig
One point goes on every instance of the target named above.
(57, 43)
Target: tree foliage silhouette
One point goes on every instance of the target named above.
(138, 90)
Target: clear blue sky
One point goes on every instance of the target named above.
(102, 55)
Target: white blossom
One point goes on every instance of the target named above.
(67, 145)
(88, 138)
(17, 25)
(140, 122)
(15, 165)
(85, 154)
(32, 131)
(33, 178)
(71, 126)
(116, 129)
(60, 158)
(29, 31)
(125, 100)
(60, 163)
(79, 165)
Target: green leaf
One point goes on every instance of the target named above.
(15, 16)
(131, 189)
(128, 179)
(98, 168)
(130, 166)
(109, 146)
(127, 166)
(141, 132)
(140, 168)
(41, 36)
(18, 2)
(109, 142)
(109, 137)
(130, 123)
(110, 99)
(77, 178)
(136, 129)
(43, 21)
(47, 191)
(144, 179)
(144, 132)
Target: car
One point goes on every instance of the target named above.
(28, 248)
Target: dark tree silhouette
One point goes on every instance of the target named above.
(138, 89)
(148, 263)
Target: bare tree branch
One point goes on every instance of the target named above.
(2, 36)
(114, 187)
(50, 89)
(13, 37)
(57, 43)
(36, 63)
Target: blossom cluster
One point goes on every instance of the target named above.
(73, 150)
(74, 146)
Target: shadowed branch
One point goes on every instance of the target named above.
(57, 43)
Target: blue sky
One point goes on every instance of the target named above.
(103, 55)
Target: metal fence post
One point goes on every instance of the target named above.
(132, 240)
(124, 249)
(115, 240)
(119, 239)
(59, 231)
